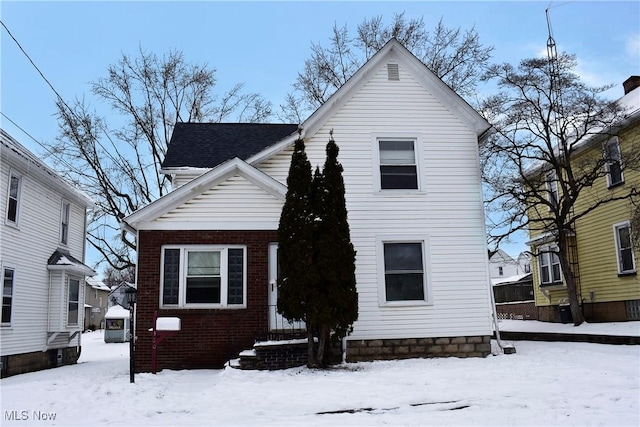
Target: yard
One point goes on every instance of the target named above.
(564, 384)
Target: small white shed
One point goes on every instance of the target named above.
(117, 324)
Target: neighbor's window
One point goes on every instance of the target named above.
(549, 262)
(552, 188)
(614, 162)
(74, 301)
(208, 276)
(624, 248)
(7, 295)
(64, 222)
(404, 276)
(500, 271)
(398, 167)
(13, 199)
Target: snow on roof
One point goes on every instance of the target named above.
(511, 279)
(117, 312)
(97, 284)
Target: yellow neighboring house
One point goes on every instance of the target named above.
(602, 254)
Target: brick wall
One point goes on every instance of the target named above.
(208, 337)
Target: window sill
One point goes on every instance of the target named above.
(617, 184)
(203, 307)
(628, 274)
(552, 286)
(397, 304)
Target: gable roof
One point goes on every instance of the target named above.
(13, 150)
(61, 259)
(206, 145)
(201, 184)
(392, 51)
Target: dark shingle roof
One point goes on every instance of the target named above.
(206, 145)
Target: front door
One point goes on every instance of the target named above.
(276, 321)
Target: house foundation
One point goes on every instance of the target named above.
(38, 360)
(408, 348)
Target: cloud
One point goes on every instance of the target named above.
(633, 45)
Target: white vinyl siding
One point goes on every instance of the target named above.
(27, 248)
(228, 206)
(447, 208)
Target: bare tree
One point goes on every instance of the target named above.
(117, 160)
(535, 166)
(457, 57)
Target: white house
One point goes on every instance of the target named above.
(409, 149)
(42, 260)
(96, 303)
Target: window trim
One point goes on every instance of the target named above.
(13, 286)
(615, 140)
(224, 279)
(546, 251)
(553, 193)
(65, 221)
(18, 198)
(417, 152)
(381, 240)
(69, 301)
(616, 237)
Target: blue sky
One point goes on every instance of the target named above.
(264, 44)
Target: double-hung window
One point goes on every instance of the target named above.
(404, 271)
(74, 301)
(552, 188)
(13, 198)
(398, 165)
(549, 263)
(624, 249)
(64, 222)
(204, 276)
(7, 295)
(613, 163)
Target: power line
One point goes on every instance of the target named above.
(34, 65)
(60, 99)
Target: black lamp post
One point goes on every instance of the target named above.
(132, 296)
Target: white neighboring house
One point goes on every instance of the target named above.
(502, 265)
(42, 236)
(409, 148)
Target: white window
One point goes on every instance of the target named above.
(398, 165)
(13, 198)
(624, 248)
(64, 222)
(204, 276)
(404, 269)
(7, 295)
(552, 188)
(74, 301)
(549, 263)
(613, 160)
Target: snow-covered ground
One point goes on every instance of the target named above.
(544, 383)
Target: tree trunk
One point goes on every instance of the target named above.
(569, 279)
(311, 356)
(323, 345)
